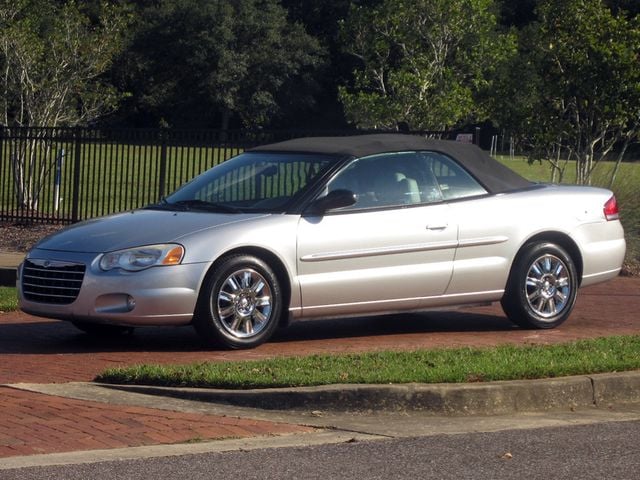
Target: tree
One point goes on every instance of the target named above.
(423, 62)
(576, 84)
(207, 62)
(323, 20)
(53, 58)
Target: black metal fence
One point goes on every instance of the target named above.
(64, 175)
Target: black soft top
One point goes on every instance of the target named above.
(492, 174)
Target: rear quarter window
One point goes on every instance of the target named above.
(454, 181)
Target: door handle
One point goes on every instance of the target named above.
(437, 226)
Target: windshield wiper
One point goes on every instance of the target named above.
(195, 204)
(161, 205)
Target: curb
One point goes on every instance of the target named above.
(8, 277)
(492, 398)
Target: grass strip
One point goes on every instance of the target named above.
(505, 362)
(8, 299)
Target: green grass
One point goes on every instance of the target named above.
(8, 299)
(507, 362)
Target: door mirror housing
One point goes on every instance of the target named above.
(335, 199)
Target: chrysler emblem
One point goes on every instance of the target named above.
(52, 263)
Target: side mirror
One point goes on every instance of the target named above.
(335, 199)
(268, 171)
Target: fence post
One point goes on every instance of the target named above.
(477, 136)
(75, 209)
(163, 164)
(3, 185)
(58, 179)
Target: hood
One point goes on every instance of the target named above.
(136, 228)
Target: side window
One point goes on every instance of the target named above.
(389, 180)
(453, 181)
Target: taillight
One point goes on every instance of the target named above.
(611, 209)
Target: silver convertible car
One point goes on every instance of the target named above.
(330, 227)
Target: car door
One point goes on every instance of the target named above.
(387, 252)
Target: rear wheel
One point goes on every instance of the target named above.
(240, 303)
(542, 287)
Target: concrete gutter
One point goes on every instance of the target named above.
(492, 398)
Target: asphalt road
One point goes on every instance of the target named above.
(599, 451)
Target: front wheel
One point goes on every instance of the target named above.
(240, 303)
(542, 287)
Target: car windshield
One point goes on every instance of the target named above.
(250, 182)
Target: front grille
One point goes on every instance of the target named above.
(46, 281)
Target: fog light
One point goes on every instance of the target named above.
(131, 302)
(115, 303)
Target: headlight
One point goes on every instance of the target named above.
(139, 258)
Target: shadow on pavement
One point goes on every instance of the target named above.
(59, 337)
(440, 322)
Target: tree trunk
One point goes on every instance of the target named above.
(30, 171)
(614, 174)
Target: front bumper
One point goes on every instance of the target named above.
(155, 296)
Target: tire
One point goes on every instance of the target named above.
(240, 303)
(542, 287)
(102, 330)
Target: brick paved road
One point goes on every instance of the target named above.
(44, 351)
(41, 351)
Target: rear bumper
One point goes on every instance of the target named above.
(603, 251)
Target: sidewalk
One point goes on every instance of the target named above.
(10, 259)
(33, 423)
